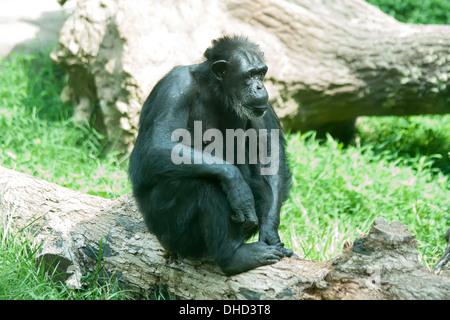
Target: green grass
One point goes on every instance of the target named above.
(338, 192)
(409, 138)
(37, 135)
(22, 278)
(399, 169)
(416, 11)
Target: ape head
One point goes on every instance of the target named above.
(238, 70)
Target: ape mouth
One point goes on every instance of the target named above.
(258, 110)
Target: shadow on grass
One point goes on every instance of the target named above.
(409, 138)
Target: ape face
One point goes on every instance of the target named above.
(242, 80)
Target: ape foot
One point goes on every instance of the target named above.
(286, 252)
(251, 255)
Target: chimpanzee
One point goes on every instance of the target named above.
(205, 200)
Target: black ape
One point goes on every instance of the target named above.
(201, 199)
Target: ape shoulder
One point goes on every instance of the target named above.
(179, 81)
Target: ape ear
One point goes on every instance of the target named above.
(218, 68)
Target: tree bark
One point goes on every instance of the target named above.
(69, 226)
(329, 61)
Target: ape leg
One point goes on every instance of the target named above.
(193, 218)
(170, 211)
(225, 238)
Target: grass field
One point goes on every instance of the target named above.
(338, 192)
(398, 168)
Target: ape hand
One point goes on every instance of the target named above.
(272, 239)
(241, 200)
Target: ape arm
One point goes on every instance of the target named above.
(278, 183)
(270, 220)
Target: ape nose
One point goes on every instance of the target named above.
(259, 85)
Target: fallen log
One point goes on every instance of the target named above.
(69, 227)
(329, 61)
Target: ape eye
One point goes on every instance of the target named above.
(249, 76)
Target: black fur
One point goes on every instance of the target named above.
(208, 210)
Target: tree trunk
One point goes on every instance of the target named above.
(69, 227)
(329, 61)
